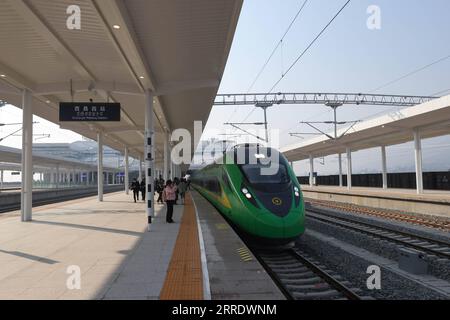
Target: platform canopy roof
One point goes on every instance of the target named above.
(175, 48)
(10, 156)
(432, 119)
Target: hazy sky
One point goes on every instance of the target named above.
(347, 58)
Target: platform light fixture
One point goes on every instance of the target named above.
(3, 75)
(116, 26)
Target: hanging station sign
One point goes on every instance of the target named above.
(89, 111)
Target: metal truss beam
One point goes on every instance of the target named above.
(320, 98)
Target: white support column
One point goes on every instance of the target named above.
(100, 166)
(57, 176)
(140, 169)
(127, 172)
(384, 167)
(114, 178)
(349, 168)
(311, 171)
(27, 156)
(1, 179)
(166, 157)
(418, 161)
(341, 180)
(149, 157)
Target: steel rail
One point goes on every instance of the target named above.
(320, 216)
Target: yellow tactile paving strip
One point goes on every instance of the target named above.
(184, 275)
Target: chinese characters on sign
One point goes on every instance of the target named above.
(89, 111)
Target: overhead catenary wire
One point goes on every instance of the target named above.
(409, 74)
(304, 52)
(310, 45)
(277, 46)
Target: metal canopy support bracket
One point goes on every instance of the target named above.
(100, 166)
(27, 157)
(418, 158)
(149, 156)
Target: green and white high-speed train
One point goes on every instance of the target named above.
(268, 207)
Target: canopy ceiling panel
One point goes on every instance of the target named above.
(174, 49)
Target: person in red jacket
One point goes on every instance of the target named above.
(169, 196)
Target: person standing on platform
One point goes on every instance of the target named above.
(135, 186)
(142, 187)
(169, 196)
(182, 187)
(176, 182)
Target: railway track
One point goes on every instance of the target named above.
(435, 223)
(38, 203)
(301, 278)
(420, 243)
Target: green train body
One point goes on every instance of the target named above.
(269, 208)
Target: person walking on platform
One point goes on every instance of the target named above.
(159, 189)
(169, 196)
(142, 187)
(135, 186)
(182, 187)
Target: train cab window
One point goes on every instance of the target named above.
(213, 185)
(254, 174)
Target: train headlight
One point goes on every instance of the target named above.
(296, 189)
(248, 195)
(297, 194)
(245, 191)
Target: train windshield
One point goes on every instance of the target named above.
(255, 174)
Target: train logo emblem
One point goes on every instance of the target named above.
(277, 201)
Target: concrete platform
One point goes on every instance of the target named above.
(117, 258)
(429, 203)
(108, 241)
(232, 271)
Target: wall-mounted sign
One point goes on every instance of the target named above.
(89, 111)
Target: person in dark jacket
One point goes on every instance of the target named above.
(143, 189)
(135, 186)
(159, 189)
